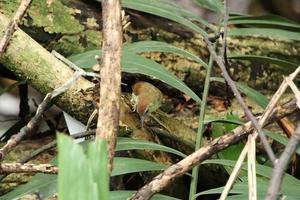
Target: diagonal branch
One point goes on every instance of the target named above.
(12, 26)
(165, 178)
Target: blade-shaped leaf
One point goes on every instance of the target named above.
(261, 170)
(279, 138)
(154, 46)
(162, 9)
(291, 191)
(89, 181)
(254, 95)
(265, 32)
(284, 65)
(267, 21)
(128, 144)
(213, 5)
(124, 165)
(45, 184)
(132, 63)
(137, 64)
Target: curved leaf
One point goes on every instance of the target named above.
(265, 20)
(137, 64)
(254, 95)
(85, 60)
(162, 9)
(283, 64)
(124, 165)
(261, 170)
(279, 138)
(150, 46)
(45, 184)
(128, 144)
(265, 32)
(213, 5)
(132, 63)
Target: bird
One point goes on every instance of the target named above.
(146, 98)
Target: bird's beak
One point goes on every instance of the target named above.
(142, 120)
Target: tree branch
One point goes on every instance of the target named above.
(110, 73)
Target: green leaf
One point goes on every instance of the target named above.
(88, 176)
(291, 191)
(267, 21)
(254, 95)
(163, 9)
(137, 64)
(213, 5)
(154, 46)
(265, 32)
(132, 63)
(128, 144)
(45, 184)
(283, 65)
(98, 160)
(279, 138)
(121, 195)
(85, 60)
(131, 165)
(232, 152)
(261, 170)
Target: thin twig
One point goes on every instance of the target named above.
(234, 173)
(33, 155)
(6, 168)
(274, 190)
(34, 122)
(165, 178)
(73, 66)
(225, 22)
(198, 143)
(239, 98)
(252, 194)
(12, 26)
(110, 73)
(269, 111)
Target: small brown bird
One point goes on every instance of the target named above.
(146, 98)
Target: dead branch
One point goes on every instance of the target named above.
(238, 96)
(268, 114)
(6, 168)
(281, 165)
(12, 26)
(110, 73)
(217, 145)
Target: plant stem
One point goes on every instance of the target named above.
(195, 172)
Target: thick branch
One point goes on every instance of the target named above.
(110, 89)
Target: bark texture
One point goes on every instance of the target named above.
(110, 73)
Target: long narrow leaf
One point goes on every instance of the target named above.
(265, 32)
(132, 63)
(266, 21)
(137, 64)
(162, 9)
(128, 144)
(254, 95)
(284, 65)
(154, 46)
